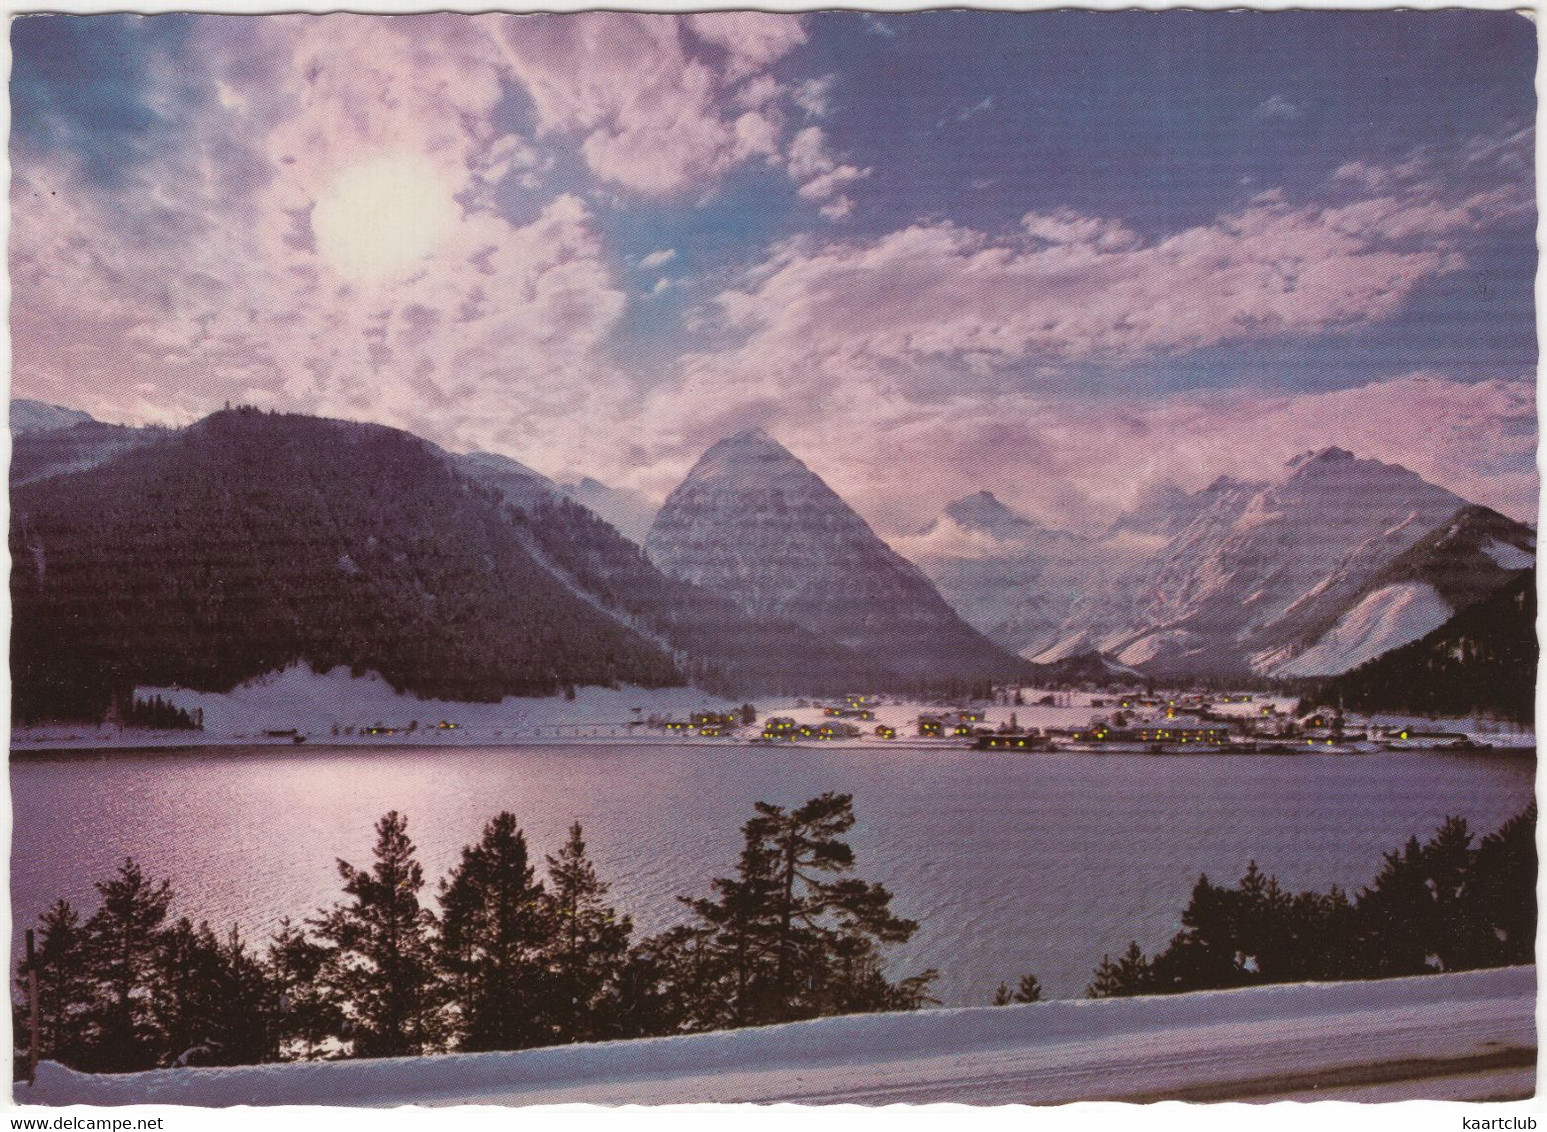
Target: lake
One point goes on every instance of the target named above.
(1011, 863)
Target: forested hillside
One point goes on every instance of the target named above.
(248, 542)
(1483, 660)
(40, 453)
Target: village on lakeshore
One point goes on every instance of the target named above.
(1025, 720)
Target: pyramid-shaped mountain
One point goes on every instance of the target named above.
(249, 541)
(754, 523)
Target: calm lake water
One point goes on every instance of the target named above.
(1010, 863)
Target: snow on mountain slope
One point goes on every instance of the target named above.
(1385, 619)
(1008, 576)
(754, 524)
(629, 511)
(1508, 557)
(1459, 563)
(40, 416)
(1414, 1036)
(1063, 649)
(1235, 578)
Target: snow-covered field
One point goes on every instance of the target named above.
(334, 708)
(1460, 1036)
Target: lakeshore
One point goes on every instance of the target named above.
(321, 711)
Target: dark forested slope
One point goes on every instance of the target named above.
(249, 541)
(1482, 660)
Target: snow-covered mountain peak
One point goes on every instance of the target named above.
(751, 456)
(1338, 466)
(1329, 455)
(983, 511)
(754, 524)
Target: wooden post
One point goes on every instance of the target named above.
(32, 1006)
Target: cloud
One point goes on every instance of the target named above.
(1277, 108)
(197, 276)
(947, 350)
(937, 304)
(875, 25)
(821, 174)
(815, 96)
(967, 113)
(652, 98)
(837, 209)
(203, 281)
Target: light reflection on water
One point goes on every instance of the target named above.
(1011, 863)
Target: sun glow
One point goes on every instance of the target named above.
(381, 217)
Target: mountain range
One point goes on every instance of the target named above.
(208, 555)
(250, 541)
(1335, 562)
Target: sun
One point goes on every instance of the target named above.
(381, 217)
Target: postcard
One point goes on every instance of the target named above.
(837, 557)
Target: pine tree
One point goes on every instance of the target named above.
(66, 992)
(186, 998)
(494, 925)
(742, 925)
(589, 946)
(1028, 990)
(122, 937)
(805, 846)
(249, 1030)
(1129, 976)
(381, 966)
(1501, 893)
(791, 937)
(1205, 953)
(306, 1013)
(670, 983)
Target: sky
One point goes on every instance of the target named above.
(1056, 255)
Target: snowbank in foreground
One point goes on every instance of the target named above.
(972, 1054)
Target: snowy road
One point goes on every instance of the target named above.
(1481, 1050)
(1467, 1036)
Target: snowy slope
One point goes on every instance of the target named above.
(1472, 555)
(1009, 577)
(629, 511)
(1507, 556)
(1386, 619)
(39, 416)
(1237, 577)
(1412, 1037)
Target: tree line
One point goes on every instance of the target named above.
(1446, 904)
(1483, 660)
(509, 959)
(502, 958)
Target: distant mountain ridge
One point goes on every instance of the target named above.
(1338, 560)
(39, 416)
(753, 523)
(629, 511)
